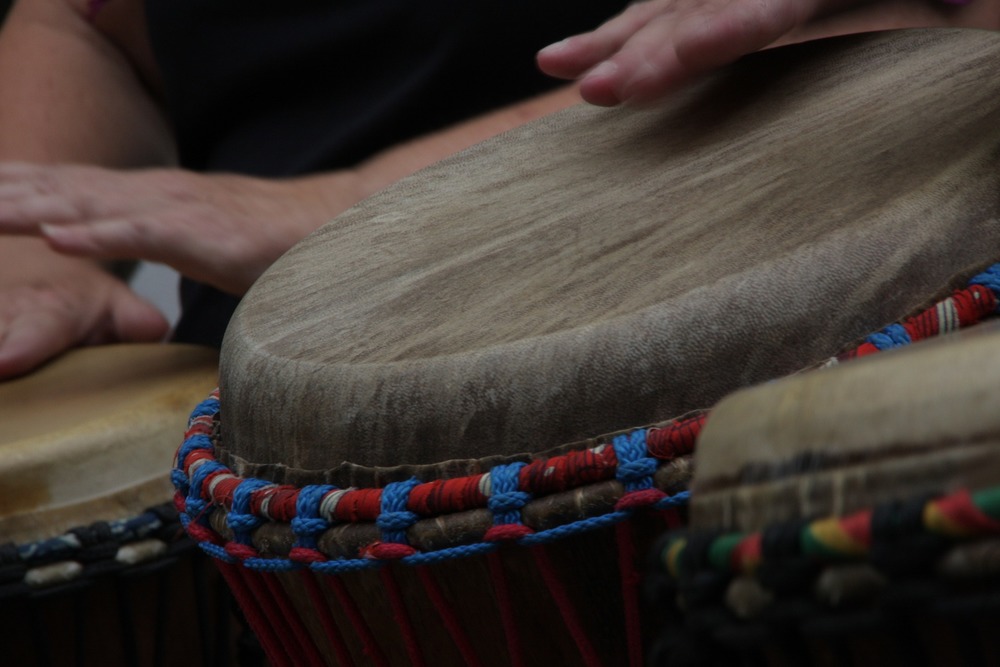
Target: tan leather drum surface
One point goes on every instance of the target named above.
(601, 269)
(90, 436)
(902, 423)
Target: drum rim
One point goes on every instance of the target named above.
(631, 461)
(928, 554)
(204, 484)
(93, 551)
(954, 517)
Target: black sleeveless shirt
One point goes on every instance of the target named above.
(291, 87)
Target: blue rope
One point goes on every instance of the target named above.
(196, 442)
(505, 500)
(394, 519)
(635, 466)
(239, 519)
(441, 555)
(217, 552)
(179, 480)
(307, 523)
(341, 565)
(574, 528)
(894, 335)
(214, 550)
(635, 471)
(207, 408)
(194, 504)
(271, 564)
(677, 500)
(990, 278)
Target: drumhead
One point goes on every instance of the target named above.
(90, 436)
(603, 269)
(895, 426)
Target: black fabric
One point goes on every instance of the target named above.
(287, 88)
(205, 313)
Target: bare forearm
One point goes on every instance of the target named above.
(224, 230)
(71, 96)
(894, 14)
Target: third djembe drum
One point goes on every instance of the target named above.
(849, 516)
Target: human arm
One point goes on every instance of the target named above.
(68, 94)
(657, 46)
(221, 229)
(88, 149)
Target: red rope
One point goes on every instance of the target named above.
(630, 579)
(507, 618)
(446, 496)
(303, 641)
(448, 617)
(326, 619)
(566, 609)
(960, 508)
(258, 586)
(402, 617)
(235, 578)
(675, 439)
(364, 633)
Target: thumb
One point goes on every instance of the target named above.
(134, 320)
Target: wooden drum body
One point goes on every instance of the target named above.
(428, 377)
(94, 569)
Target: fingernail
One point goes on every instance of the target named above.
(51, 231)
(607, 68)
(643, 72)
(555, 48)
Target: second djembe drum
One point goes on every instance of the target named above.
(405, 463)
(94, 566)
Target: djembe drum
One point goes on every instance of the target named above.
(849, 516)
(404, 464)
(94, 567)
